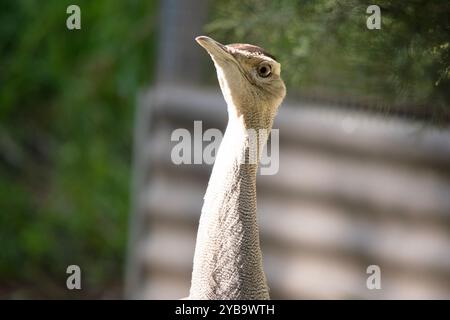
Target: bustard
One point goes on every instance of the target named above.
(228, 258)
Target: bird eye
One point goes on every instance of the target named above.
(264, 70)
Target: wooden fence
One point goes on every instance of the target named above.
(353, 190)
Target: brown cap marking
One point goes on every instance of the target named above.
(251, 48)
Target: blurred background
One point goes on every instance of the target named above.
(85, 123)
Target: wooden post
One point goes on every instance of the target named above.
(178, 64)
(180, 22)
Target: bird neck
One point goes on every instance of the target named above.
(228, 258)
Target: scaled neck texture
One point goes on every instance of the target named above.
(228, 258)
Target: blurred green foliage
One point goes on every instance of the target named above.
(325, 47)
(66, 109)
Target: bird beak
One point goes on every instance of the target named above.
(217, 50)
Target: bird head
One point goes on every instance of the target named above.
(249, 78)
